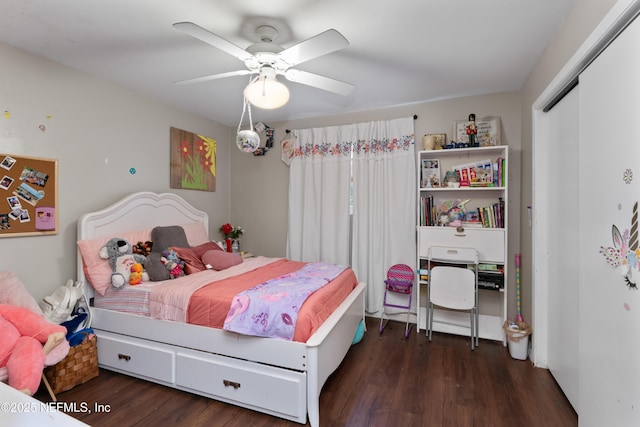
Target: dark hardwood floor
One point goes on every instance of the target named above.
(383, 381)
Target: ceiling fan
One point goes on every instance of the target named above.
(267, 59)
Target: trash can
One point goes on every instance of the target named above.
(517, 339)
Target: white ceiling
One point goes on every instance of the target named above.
(400, 52)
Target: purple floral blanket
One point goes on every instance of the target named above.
(270, 309)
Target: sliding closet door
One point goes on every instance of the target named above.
(609, 321)
(556, 238)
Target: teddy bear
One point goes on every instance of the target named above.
(173, 263)
(26, 338)
(120, 254)
(143, 248)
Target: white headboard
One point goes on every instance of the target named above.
(135, 212)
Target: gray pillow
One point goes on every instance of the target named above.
(155, 268)
(169, 236)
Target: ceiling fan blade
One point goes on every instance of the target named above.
(321, 44)
(214, 40)
(321, 82)
(213, 77)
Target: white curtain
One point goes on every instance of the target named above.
(369, 166)
(384, 195)
(319, 178)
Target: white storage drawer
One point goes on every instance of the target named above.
(128, 355)
(488, 241)
(244, 383)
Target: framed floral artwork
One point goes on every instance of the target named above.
(193, 161)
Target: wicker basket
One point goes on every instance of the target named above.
(78, 367)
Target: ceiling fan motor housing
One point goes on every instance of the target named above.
(265, 51)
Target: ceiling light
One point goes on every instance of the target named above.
(265, 91)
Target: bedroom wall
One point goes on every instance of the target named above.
(97, 131)
(259, 184)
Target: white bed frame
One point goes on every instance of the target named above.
(274, 376)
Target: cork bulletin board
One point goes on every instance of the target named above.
(29, 190)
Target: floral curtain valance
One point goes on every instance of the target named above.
(345, 141)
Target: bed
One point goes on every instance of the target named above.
(280, 377)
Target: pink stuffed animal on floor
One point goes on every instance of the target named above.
(25, 339)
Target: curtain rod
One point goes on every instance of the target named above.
(415, 117)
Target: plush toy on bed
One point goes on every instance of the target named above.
(121, 257)
(136, 274)
(25, 340)
(143, 248)
(173, 263)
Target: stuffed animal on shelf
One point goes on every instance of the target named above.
(136, 274)
(173, 263)
(25, 340)
(120, 254)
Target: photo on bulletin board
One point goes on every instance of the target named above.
(29, 190)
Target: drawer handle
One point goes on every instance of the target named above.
(124, 357)
(233, 384)
(459, 234)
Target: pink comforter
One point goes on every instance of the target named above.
(169, 300)
(204, 298)
(210, 305)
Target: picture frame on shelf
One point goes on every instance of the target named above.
(439, 140)
(430, 172)
(488, 131)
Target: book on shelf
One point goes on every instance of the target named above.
(430, 173)
(492, 216)
(490, 276)
(498, 172)
(476, 172)
(423, 274)
(483, 173)
(428, 211)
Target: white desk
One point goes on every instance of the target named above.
(18, 409)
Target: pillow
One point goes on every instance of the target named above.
(167, 237)
(13, 292)
(192, 263)
(204, 248)
(97, 270)
(220, 260)
(196, 233)
(155, 268)
(192, 256)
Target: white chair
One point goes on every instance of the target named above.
(453, 287)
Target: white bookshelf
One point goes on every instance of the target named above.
(491, 242)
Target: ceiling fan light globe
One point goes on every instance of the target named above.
(267, 93)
